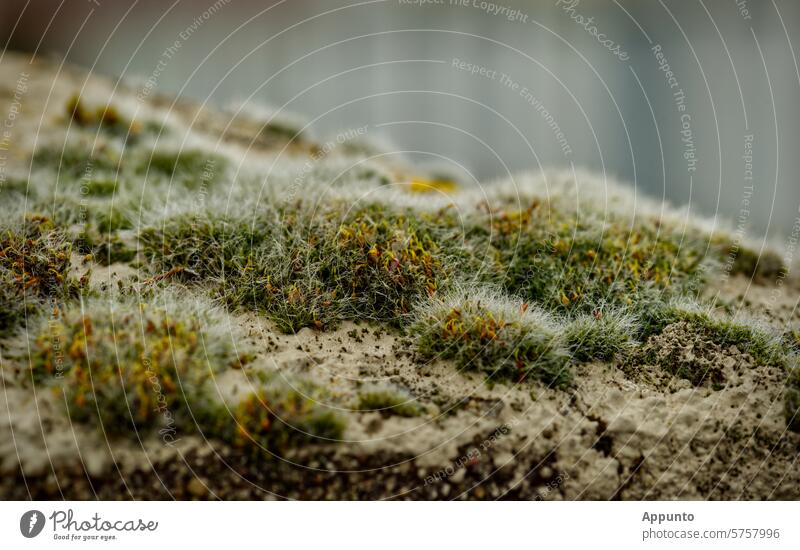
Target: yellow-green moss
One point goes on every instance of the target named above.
(131, 366)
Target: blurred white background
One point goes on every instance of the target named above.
(389, 64)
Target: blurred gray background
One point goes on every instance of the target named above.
(389, 64)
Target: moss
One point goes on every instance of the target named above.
(388, 402)
(193, 168)
(276, 417)
(77, 163)
(274, 125)
(130, 366)
(376, 263)
(764, 346)
(78, 112)
(109, 219)
(308, 271)
(548, 254)
(599, 336)
(105, 117)
(106, 248)
(305, 268)
(791, 338)
(13, 306)
(744, 260)
(219, 250)
(705, 335)
(34, 268)
(388, 261)
(151, 367)
(373, 265)
(13, 186)
(100, 187)
(342, 172)
(285, 128)
(424, 185)
(86, 213)
(492, 335)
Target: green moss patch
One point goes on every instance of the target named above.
(104, 117)
(192, 168)
(34, 269)
(308, 271)
(552, 256)
(152, 367)
(134, 367)
(388, 402)
(600, 335)
(493, 335)
(76, 162)
(792, 400)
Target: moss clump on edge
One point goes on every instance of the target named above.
(600, 335)
(547, 254)
(34, 268)
(380, 262)
(134, 365)
(99, 187)
(741, 259)
(759, 341)
(11, 187)
(388, 401)
(686, 340)
(106, 249)
(492, 334)
(216, 248)
(371, 265)
(37, 255)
